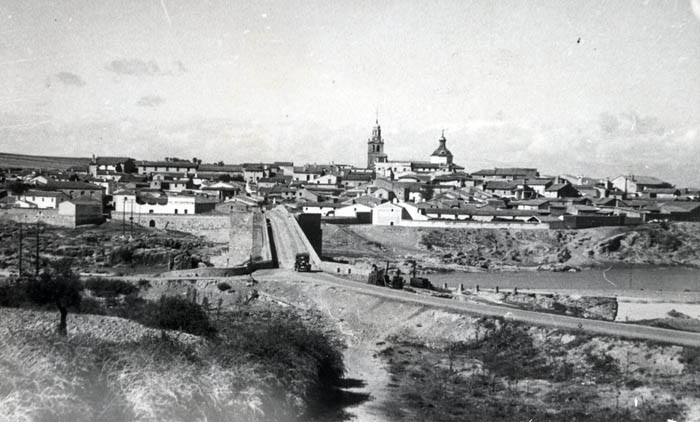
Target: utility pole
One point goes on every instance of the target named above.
(36, 271)
(124, 217)
(20, 249)
(131, 219)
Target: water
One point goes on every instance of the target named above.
(671, 279)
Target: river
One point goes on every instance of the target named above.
(643, 292)
(631, 278)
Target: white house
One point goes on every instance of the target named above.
(352, 210)
(327, 179)
(182, 167)
(161, 203)
(388, 214)
(43, 199)
(326, 209)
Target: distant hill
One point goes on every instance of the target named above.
(40, 162)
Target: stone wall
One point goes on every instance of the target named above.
(456, 224)
(240, 236)
(591, 307)
(213, 227)
(32, 215)
(355, 272)
(261, 250)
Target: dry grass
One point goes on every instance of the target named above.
(149, 377)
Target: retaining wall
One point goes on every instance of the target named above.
(209, 272)
(474, 225)
(214, 227)
(355, 272)
(260, 248)
(32, 215)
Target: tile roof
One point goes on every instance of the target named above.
(44, 193)
(500, 185)
(72, 185)
(215, 168)
(111, 160)
(185, 164)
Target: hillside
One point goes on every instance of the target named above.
(8, 160)
(113, 369)
(492, 249)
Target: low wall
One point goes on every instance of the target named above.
(355, 272)
(32, 215)
(213, 227)
(588, 221)
(474, 225)
(260, 248)
(209, 272)
(240, 236)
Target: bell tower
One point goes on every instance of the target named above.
(375, 147)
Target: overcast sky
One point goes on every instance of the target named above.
(595, 87)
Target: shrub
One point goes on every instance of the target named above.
(109, 288)
(123, 254)
(144, 284)
(603, 363)
(308, 360)
(223, 286)
(93, 306)
(176, 313)
(12, 295)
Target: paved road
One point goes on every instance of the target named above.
(287, 240)
(536, 318)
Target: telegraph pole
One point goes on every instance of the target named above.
(131, 219)
(20, 249)
(124, 217)
(37, 248)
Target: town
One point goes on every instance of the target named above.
(436, 192)
(356, 211)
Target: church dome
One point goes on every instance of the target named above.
(442, 150)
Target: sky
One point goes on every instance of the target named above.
(596, 87)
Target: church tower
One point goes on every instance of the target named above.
(375, 147)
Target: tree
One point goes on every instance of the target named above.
(58, 285)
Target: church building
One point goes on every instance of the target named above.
(375, 147)
(441, 160)
(442, 155)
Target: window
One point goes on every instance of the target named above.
(151, 223)
(186, 211)
(150, 212)
(175, 210)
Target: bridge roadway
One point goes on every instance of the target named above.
(287, 239)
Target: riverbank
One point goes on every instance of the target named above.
(469, 250)
(556, 374)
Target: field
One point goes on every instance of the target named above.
(40, 162)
